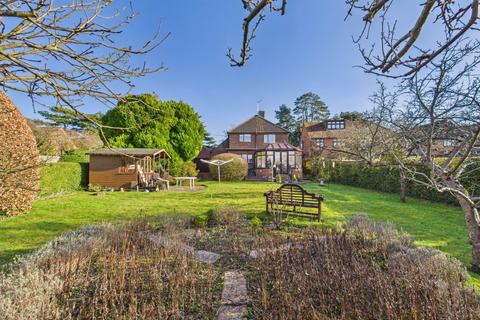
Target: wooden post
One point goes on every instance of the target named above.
(319, 209)
(266, 202)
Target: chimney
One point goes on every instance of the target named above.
(261, 113)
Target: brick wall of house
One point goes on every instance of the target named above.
(257, 141)
(320, 131)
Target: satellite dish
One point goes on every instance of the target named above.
(218, 164)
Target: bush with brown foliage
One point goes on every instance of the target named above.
(19, 160)
(369, 271)
(232, 171)
(108, 272)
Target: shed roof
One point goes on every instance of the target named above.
(135, 152)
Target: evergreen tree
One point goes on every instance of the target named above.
(352, 115)
(309, 107)
(68, 118)
(209, 141)
(284, 118)
(151, 123)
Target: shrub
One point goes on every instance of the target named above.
(255, 223)
(385, 178)
(200, 221)
(226, 216)
(189, 169)
(19, 160)
(340, 276)
(108, 272)
(63, 177)
(75, 156)
(232, 171)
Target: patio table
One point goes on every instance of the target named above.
(191, 181)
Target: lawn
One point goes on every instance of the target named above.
(431, 225)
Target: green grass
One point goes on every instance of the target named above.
(431, 225)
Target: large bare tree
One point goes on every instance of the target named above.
(70, 50)
(391, 49)
(437, 120)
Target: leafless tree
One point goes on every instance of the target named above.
(69, 50)
(442, 103)
(393, 52)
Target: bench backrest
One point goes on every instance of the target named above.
(293, 193)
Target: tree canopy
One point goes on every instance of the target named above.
(209, 141)
(309, 107)
(144, 121)
(69, 118)
(285, 118)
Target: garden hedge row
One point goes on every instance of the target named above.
(63, 177)
(385, 179)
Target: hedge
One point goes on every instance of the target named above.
(385, 179)
(63, 177)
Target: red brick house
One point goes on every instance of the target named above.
(319, 138)
(264, 145)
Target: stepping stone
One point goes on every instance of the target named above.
(206, 256)
(234, 297)
(234, 289)
(231, 313)
(200, 255)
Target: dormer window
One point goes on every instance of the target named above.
(269, 138)
(335, 124)
(245, 138)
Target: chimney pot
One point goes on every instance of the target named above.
(261, 113)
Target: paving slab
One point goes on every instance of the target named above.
(234, 297)
(199, 255)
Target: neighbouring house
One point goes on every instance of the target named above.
(202, 167)
(446, 137)
(321, 138)
(127, 168)
(264, 145)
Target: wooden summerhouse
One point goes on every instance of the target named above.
(127, 168)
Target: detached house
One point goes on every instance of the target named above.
(319, 138)
(264, 145)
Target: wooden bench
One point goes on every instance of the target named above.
(292, 196)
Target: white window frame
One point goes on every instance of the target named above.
(319, 142)
(243, 137)
(267, 138)
(247, 157)
(335, 142)
(335, 124)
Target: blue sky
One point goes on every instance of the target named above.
(308, 49)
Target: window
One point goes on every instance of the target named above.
(319, 143)
(127, 166)
(269, 138)
(269, 159)
(291, 159)
(261, 160)
(336, 124)
(248, 157)
(335, 142)
(245, 138)
(447, 143)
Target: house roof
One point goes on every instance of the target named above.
(281, 147)
(134, 152)
(257, 124)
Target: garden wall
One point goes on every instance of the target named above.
(385, 179)
(63, 177)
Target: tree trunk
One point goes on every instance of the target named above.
(473, 232)
(403, 187)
